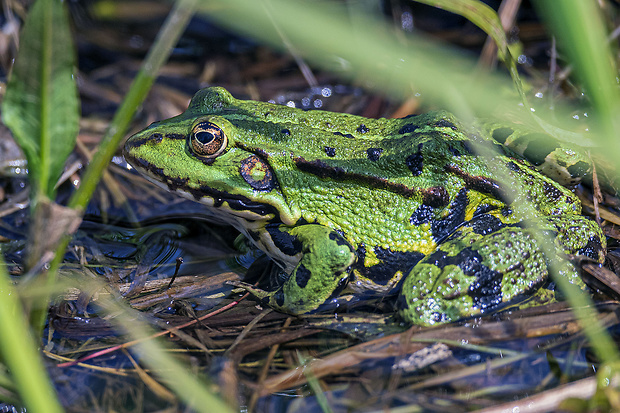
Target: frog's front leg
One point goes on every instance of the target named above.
(322, 272)
(487, 264)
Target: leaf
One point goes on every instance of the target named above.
(41, 102)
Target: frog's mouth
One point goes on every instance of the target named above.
(237, 205)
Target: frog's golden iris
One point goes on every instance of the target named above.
(374, 205)
(207, 140)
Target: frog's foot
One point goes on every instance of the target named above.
(578, 235)
(322, 272)
(477, 272)
(263, 295)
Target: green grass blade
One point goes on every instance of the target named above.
(19, 352)
(157, 56)
(479, 14)
(41, 104)
(580, 31)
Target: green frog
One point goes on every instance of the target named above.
(383, 206)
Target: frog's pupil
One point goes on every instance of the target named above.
(204, 137)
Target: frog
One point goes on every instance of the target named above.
(406, 208)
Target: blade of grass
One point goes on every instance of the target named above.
(314, 384)
(19, 351)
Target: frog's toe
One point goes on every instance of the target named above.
(423, 301)
(264, 296)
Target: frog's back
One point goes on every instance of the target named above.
(331, 165)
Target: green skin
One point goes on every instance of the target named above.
(373, 205)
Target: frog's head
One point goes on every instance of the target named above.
(203, 156)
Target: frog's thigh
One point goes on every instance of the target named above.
(322, 271)
(471, 274)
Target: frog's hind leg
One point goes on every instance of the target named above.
(482, 267)
(322, 272)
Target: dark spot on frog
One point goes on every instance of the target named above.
(362, 128)
(176, 183)
(136, 142)
(454, 151)
(408, 128)
(483, 209)
(579, 169)
(435, 196)
(373, 154)
(512, 166)
(346, 135)
(253, 166)
(415, 162)
(329, 151)
(444, 123)
(517, 268)
(554, 193)
(538, 147)
(285, 132)
(501, 134)
(279, 297)
(285, 242)
(339, 239)
(486, 291)
(176, 136)
(506, 211)
(340, 232)
(390, 262)
(422, 215)
(442, 228)
(302, 276)
(485, 224)
(593, 248)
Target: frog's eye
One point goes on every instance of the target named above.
(207, 140)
